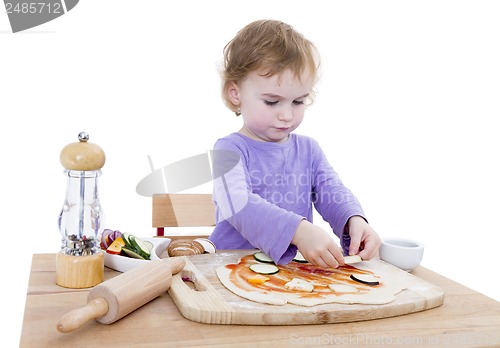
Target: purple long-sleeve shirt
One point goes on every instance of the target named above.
(262, 190)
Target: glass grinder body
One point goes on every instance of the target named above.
(80, 262)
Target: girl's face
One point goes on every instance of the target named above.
(271, 107)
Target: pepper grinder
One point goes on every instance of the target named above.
(80, 262)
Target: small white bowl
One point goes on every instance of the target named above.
(402, 253)
(123, 263)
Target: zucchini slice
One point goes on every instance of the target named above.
(140, 246)
(299, 258)
(126, 239)
(149, 245)
(365, 279)
(264, 268)
(352, 259)
(132, 253)
(263, 257)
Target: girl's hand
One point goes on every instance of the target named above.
(317, 246)
(364, 240)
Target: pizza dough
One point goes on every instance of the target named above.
(235, 277)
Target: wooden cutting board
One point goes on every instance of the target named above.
(206, 300)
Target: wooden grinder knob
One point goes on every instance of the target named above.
(82, 155)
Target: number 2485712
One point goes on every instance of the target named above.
(33, 7)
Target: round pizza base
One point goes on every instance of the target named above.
(377, 296)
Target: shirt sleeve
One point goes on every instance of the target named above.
(333, 201)
(265, 225)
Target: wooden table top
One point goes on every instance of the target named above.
(466, 319)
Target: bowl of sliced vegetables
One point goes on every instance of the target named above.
(124, 251)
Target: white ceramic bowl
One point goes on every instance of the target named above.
(124, 263)
(402, 253)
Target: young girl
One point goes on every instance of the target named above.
(266, 178)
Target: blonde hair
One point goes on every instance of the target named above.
(271, 46)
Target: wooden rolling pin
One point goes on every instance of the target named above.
(119, 296)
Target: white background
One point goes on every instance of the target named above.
(405, 112)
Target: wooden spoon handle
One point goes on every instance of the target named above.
(76, 318)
